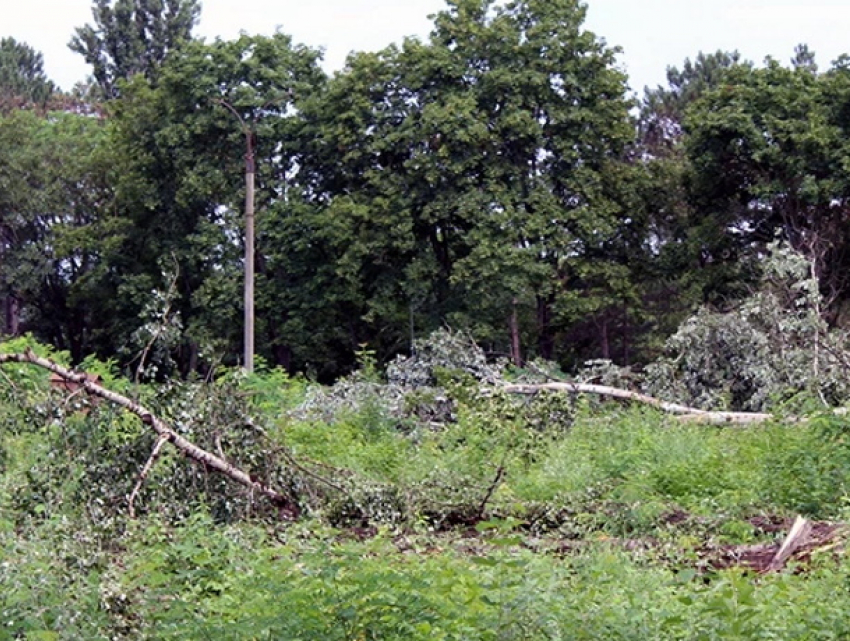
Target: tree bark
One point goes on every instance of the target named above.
(286, 503)
(796, 538)
(685, 412)
(603, 339)
(516, 347)
(12, 316)
(545, 339)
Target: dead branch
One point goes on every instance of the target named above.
(143, 475)
(8, 380)
(287, 505)
(683, 411)
(500, 474)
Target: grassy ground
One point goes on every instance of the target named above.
(617, 524)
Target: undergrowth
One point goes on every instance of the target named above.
(530, 518)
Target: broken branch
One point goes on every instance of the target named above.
(189, 449)
(143, 475)
(796, 538)
(683, 411)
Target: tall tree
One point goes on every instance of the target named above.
(57, 227)
(22, 78)
(182, 176)
(133, 37)
(466, 176)
(675, 273)
(769, 153)
(663, 109)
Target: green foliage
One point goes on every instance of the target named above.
(663, 109)
(56, 232)
(133, 37)
(23, 82)
(488, 178)
(774, 348)
(766, 148)
(181, 143)
(444, 352)
(501, 524)
(463, 178)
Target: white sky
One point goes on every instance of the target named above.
(653, 33)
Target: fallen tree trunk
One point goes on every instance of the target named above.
(287, 505)
(683, 411)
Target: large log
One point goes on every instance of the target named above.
(683, 411)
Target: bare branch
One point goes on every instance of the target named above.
(685, 412)
(143, 475)
(500, 474)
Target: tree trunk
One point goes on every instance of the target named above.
(603, 337)
(626, 337)
(12, 316)
(283, 356)
(545, 339)
(685, 413)
(516, 347)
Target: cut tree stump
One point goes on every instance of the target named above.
(797, 538)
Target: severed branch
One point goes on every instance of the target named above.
(286, 504)
(684, 412)
(143, 475)
(500, 474)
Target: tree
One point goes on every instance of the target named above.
(804, 58)
(465, 177)
(56, 227)
(768, 151)
(22, 78)
(181, 178)
(675, 272)
(470, 173)
(133, 37)
(663, 109)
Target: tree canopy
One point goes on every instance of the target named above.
(22, 79)
(133, 36)
(494, 177)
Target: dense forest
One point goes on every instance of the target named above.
(537, 357)
(496, 178)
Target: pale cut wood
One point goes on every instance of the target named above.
(285, 503)
(796, 538)
(143, 475)
(683, 411)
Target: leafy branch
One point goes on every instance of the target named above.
(285, 502)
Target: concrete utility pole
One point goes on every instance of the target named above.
(248, 339)
(249, 252)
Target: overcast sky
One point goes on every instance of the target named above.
(652, 33)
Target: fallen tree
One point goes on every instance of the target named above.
(287, 505)
(682, 411)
